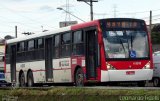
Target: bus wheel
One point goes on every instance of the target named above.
(30, 82)
(141, 83)
(156, 82)
(79, 78)
(22, 80)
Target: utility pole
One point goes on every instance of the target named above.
(16, 31)
(91, 6)
(70, 14)
(150, 22)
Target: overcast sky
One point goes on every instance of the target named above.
(31, 15)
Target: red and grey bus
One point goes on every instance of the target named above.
(105, 50)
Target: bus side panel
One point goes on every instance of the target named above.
(21, 67)
(37, 68)
(62, 70)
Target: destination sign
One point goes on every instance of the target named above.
(123, 24)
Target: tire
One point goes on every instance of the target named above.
(141, 84)
(156, 82)
(30, 82)
(79, 78)
(22, 80)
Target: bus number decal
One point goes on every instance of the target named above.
(64, 63)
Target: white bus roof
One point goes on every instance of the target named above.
(39, 34)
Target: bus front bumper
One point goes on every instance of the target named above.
(126, 75)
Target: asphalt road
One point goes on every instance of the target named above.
(149, 86)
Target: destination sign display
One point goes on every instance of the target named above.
(123, 24)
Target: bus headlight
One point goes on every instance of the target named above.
(147, 66)
(110, 67)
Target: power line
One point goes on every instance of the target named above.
(139, 12)
(7, 32)
(154, 17)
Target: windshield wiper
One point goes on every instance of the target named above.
(120, 41)
(127, 43)
(131, 45)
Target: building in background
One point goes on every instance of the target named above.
(2, 50)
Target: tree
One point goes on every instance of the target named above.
(7, 37)
(155, 36)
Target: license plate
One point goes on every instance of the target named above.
(130, 72)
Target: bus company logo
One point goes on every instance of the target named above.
(64, 63)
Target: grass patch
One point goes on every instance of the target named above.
(78, 94)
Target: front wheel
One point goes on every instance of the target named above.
(156, 82)
(79, 78)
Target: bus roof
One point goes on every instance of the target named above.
(59, 30)
(64, 29)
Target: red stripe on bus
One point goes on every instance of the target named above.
(44, 70)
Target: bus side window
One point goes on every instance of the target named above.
(20, 52)
(65, 44)
(56, 46)
(18, 47)
(31, 45)
(22, 46)
(40, 43)
(39, 48)
(78, 43)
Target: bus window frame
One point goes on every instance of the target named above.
(56, 48)
(66, 46)
(74, 44)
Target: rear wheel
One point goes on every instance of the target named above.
(79, 78)
(22, 80)
(30, 82)
(156, 82)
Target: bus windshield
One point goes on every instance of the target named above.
(126, 44)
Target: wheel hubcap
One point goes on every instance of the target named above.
(22, 81)
(29, 83)
(80, 79)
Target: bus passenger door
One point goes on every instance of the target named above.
(91, 53)
(13, 63)
(48, 59)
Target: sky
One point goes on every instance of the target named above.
(37, 15)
